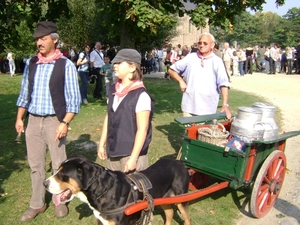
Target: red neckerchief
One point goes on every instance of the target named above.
(133, 86)
(204, 57)
(49, 59)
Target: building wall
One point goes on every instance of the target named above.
(187, 32)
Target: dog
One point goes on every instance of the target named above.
(109, 192)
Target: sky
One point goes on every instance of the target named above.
(270, 6)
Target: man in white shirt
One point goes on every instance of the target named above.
(227, 58)
(97, 61)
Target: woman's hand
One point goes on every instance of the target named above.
(101, 152)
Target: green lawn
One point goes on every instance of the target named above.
(218, 208)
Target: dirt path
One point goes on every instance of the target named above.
(284, 92)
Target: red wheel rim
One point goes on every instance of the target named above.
(268, 184)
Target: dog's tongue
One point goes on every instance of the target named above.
(57, 199)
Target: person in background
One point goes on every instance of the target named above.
(51, 97)
(107, 73)
(160, 53)
(83, 64)
(185, 51)
(297, 62)
(259, 58)
(227, 58)
(290, 60)
(235, 64)
(96, 62)
(127, 129)
(242, 58)
(283, 62)
(267, 59)
(202, 77)
(217, 51)
(11, 64)
(273, 58)
(249, 59)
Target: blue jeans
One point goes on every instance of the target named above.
(241, 68)
(84, 76)
(160, 65)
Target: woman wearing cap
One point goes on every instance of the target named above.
(127, 129)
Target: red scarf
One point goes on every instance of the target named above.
(49, 59)
(132, 86)
(204, 57)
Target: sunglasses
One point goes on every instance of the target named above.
(201, 42)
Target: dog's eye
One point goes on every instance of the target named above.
(62, 176)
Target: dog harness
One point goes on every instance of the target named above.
(140, 183)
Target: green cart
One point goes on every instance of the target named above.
(262, 166)
(263, 162)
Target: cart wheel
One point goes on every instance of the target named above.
(197, 179)
(268, 184)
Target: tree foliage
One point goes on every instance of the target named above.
(262, 29)
(15, 12)
(128, 23)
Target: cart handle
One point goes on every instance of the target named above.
(176, 199)
(200, 119)
(278, 138)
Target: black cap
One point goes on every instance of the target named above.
(127, 54)
(44, 28)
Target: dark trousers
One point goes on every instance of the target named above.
(98, 88)
(290, 65)
(249, 65)
(272, 66)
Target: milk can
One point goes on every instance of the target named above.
(247, 125)
(271, 128)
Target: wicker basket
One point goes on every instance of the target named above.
(213, 134)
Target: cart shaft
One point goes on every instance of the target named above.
(176, 199)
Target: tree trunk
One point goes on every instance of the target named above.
(126, 40)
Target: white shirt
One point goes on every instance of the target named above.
(97, 59)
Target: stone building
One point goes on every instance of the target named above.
(188, 34)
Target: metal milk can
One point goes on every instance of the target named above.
(247, 125)
(271, 128)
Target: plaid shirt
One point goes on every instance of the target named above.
(41, 102)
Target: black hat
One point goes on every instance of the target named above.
(127, 54)
(44, 28)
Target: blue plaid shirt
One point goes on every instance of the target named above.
(41, 102)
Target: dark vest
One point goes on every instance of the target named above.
(56, 85)
(122, 125)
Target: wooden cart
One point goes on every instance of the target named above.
(262, 164)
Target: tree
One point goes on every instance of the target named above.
(14, 12)
(128, 22)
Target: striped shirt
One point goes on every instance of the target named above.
(41, 102)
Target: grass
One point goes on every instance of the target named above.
(221, 207)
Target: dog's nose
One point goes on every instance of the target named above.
(46, 183)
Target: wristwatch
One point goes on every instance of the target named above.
(226, 105)
(64, 122)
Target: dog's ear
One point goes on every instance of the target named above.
(88, 174)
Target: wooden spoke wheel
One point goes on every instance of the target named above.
(268, 184)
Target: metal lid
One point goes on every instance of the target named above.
(250, 110)
(264, 105)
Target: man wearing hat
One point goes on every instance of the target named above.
(50, 99)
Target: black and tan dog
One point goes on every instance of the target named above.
(106, 191)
